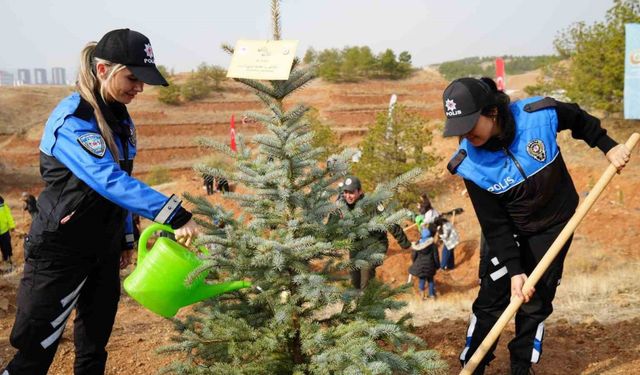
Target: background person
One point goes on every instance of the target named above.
(427, 211)
(376, 241)
(450, 239)
(208, 184)
(6, 226)
(424, 259)
(85, 231)
(519, 186)
(29, 205)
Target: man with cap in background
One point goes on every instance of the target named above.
(376, 241)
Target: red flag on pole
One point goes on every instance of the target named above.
(233, 133)
(500, 82)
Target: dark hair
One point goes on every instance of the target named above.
(504, 117)
(425, 205)
(433, 228)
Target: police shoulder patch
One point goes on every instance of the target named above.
(535, 149)
(132, 135)
(93, 143)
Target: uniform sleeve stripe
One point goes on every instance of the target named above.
(169, 207)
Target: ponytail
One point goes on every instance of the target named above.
(501, 105)
(89, 86)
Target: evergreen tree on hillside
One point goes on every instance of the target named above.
(394, 146)
(594, 76)
(299, 318)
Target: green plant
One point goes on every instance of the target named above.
(352, 64)
(170, 94)
(393, 147)
(158, 175)
(594, 76)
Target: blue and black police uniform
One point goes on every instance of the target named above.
(73, 249)
(523, 196)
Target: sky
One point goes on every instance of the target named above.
(185, 33)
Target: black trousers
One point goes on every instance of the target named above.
(360, 277)
(5, 245)
(495, 293)
(48, 292)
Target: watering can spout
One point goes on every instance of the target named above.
(206, 291)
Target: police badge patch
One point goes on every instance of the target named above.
(93, 143)
(132, 135)
(535, 149)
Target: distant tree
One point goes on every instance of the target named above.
(404, 57)
(595, 74)
(310, 56)
(329, 62)
(194, 89)
(356, 63)
(367, 61)
(170, 94)
(200, 83)
(388, 63)
(485, 66)
(213, 75)
(350, 69)
(393, 148)
(404, 64)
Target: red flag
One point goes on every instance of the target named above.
(500, 82)
(233, 133)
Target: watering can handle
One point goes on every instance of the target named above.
(144, 237)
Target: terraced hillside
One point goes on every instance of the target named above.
(166, 133)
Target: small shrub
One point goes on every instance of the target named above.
(158, 175)
(170, 94)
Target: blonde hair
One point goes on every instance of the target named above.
(88, 84)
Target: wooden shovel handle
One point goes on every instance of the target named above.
(539, 270)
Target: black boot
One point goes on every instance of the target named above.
(521, 369)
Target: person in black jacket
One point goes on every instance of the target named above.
(523, 196)
(83, 233)
(425, 260)
(375, 242)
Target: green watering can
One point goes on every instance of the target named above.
(158, 282)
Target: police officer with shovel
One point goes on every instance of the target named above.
(523, 196)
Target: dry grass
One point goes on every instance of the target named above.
(25, 107)
(591, 290)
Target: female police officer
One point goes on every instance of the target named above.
(523, 196)
(84, 231)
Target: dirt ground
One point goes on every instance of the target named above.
(576, 342)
